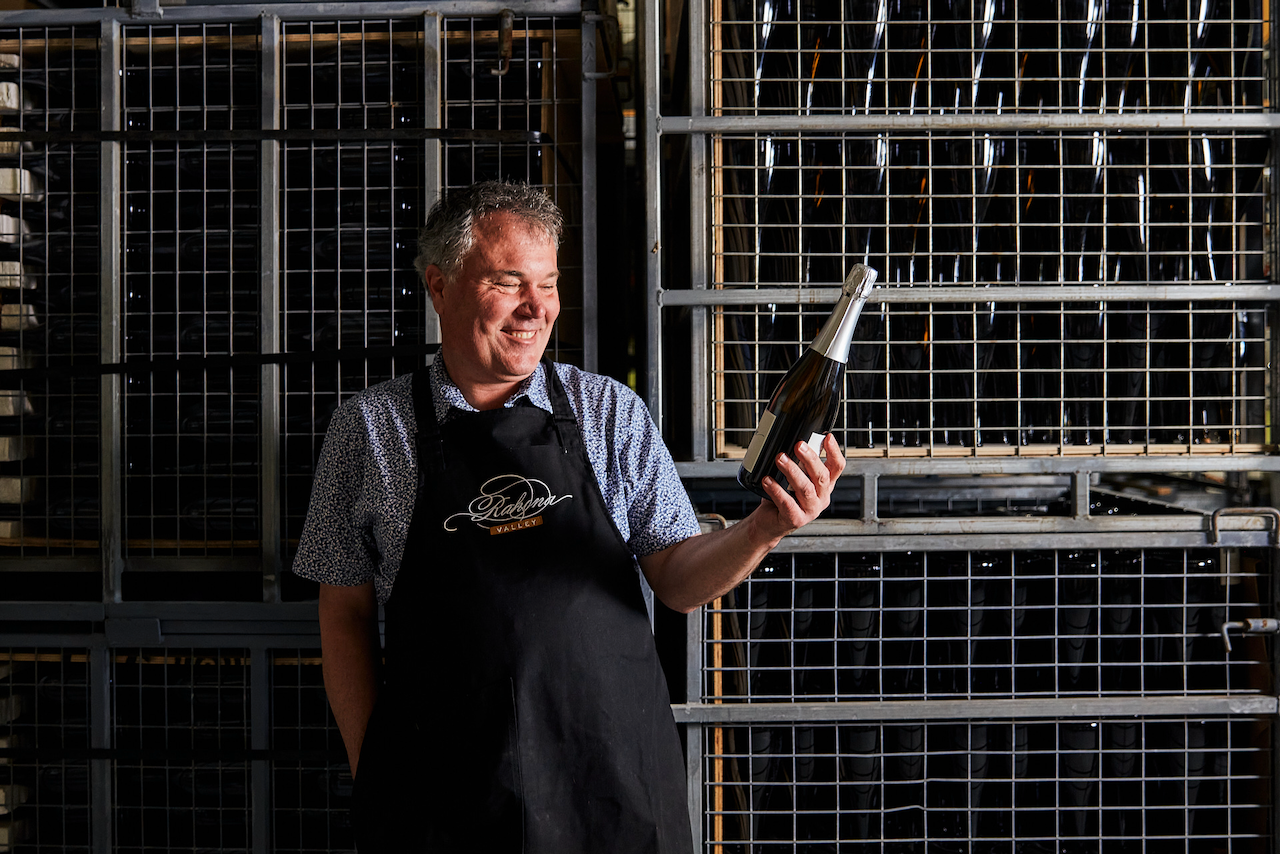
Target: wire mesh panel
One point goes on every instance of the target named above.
(44, 732)
(351, 211)
(191, 294)
(527, 81)
(350, 215)
(181, 725)
(1100, 207)
(1035, 786)
(311, 781)
(1104, 209)
(951, 379)
(876, 56)
(931, 625)
(49, 244)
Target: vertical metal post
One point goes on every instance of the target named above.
(694, 749)
(432, 160)
(260, 740)
(870, 496)
(1080, 494)
(269, 320)
(648, 120)
(700, 386)
(100, 790)
(590, 266)
(111, 306)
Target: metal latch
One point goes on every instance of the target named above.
(506, 33)
(1251, 626)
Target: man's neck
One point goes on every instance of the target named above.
(481, 395)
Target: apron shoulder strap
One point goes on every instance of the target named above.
(429, 444)
(566, 423)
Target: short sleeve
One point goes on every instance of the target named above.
(659, 512)
(336, 547)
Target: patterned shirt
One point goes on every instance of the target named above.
(363, 495)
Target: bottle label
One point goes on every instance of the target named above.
(815, 442)
(757, 441)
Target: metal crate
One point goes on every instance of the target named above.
(1007, 634)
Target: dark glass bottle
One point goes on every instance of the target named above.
(805, 403)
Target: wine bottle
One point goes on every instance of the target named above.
(805, 403)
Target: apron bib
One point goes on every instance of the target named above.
(523, 707)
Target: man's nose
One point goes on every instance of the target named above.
(534, 302)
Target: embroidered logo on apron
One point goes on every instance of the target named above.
(506, 503)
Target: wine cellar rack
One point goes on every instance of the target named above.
(208, 222)
(1018, 629)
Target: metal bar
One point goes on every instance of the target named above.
(946, 538)
(927, 122)
(260, 740)
(283, 135)
(111, 307)
(1016, 464)
(271, 304)
(910, 710)
(649, 57)
(1197, 523)
(432, 168)
(100, 795)
(694, 732)
(999, 294)
(699, 231)
(590, 264)
(1080, 495)
(223, 13)
(870, 497)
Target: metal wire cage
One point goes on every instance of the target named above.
(879, 671)
(44, 702)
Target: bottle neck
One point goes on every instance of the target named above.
(837, 333)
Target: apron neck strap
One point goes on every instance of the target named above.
(430, 445)
(431, 455)
(566, 423)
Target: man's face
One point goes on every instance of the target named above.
(497, 311)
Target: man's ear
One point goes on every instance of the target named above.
(433, 278)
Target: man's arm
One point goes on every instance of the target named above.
(350, 649)
(694, 571)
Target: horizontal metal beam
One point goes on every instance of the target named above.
(236, 11)
(948, 540)
(992, 122)
(996, 293)
(920, 466)
(1015, 709)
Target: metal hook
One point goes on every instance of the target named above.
(1251, 626)
(506, 29)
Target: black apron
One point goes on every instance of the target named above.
(523, 706)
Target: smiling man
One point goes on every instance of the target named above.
(509, 513)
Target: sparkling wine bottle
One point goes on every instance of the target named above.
(805, 403)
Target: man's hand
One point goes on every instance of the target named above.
(812, 482)
(697, 570)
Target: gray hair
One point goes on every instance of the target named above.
(450, 230)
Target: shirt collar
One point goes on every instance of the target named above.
(448, 397)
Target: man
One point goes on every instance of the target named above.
(496, 504)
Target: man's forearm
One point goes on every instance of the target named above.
(697, 570)
(350, 650)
